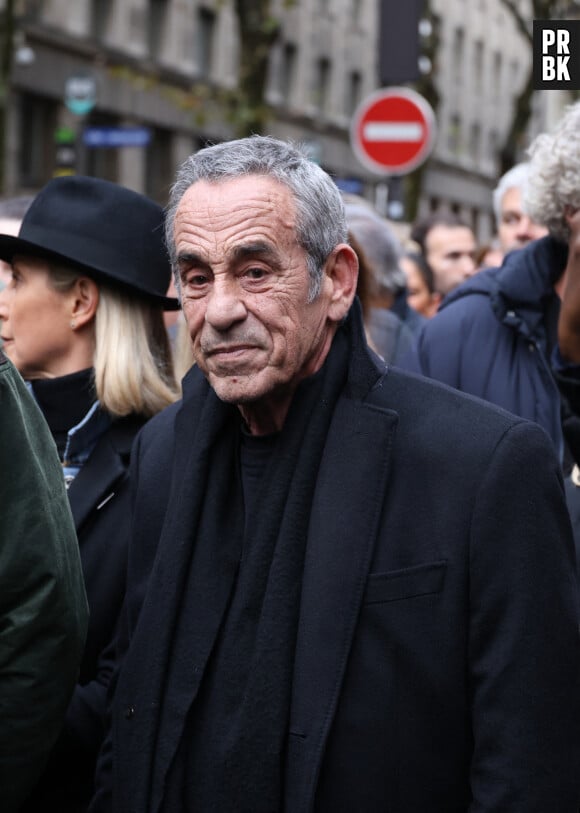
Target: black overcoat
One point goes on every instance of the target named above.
(437, 661)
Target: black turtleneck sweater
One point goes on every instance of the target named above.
(64, 402)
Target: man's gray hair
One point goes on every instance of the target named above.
(554, 182)
(320, 218)
(381, 246)
(514, 178)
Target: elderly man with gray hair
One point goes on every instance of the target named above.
(338, 598)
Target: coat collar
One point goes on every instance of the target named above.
(94, 484)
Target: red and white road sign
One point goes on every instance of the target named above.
(393, 131)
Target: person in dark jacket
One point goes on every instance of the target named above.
(349, 589)
(43, 605)
(83, 322)
(493, 336)
(388, 292)
(386, 333)
(499, 336)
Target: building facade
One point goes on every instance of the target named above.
(162, 66)
(483, 62)
(126, 89)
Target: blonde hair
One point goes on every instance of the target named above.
(133, 368)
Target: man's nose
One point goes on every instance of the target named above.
(524, 229)
(468, 264)
(225, 305)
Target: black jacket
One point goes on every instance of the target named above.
(437, 660)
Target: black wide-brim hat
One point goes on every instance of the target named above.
(112, 234)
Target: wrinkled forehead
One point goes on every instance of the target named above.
(512, 200)
(231, 208)
(442, 237)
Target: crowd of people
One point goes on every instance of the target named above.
(320, 574)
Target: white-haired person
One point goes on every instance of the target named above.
(515, 227)
(83, 323)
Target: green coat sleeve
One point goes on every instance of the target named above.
(43, 606)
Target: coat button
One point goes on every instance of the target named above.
(129, 712)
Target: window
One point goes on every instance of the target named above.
(321, 84)
(102, 162)
(206, 24)
(159, 170)
(100, 16)
(353, 92)
(457, 53)
(493, 145)
(478, 66)
(497, 69)
(454, 134)
(288, 71)
(475, 142)
(155, 23)
(37, 148)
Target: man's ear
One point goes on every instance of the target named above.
(342, 273)
(83, 302)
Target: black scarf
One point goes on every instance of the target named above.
(231, 754)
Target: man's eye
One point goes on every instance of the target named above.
(255, 273)
(196, 280)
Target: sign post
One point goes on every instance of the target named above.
(393, 131)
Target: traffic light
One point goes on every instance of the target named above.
(65, 159)
(399, 49)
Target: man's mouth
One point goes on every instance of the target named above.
(230, 351)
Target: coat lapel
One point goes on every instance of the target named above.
(177, 637)
(94, 485)
(344, 524)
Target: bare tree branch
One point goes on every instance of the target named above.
(521, 24)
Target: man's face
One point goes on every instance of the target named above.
(244, 284)
(515, 228)
(450, 252)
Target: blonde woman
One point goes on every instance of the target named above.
(83, 322)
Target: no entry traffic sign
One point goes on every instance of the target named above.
(393, 131)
